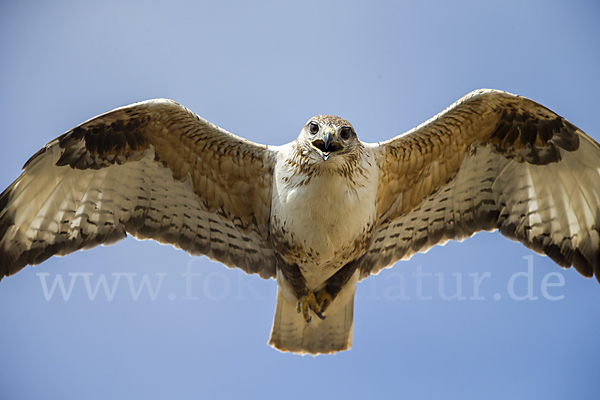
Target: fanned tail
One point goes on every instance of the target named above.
(292, 333)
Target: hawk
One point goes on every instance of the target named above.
(317, 214)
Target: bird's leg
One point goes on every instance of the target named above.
(306, 298)
(324, 298)
(309, 301)
(329, 292)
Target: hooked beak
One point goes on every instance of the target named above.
(327, 145)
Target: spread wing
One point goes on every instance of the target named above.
(490, 161)
(154, 170)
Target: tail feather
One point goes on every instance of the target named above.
(292, 333)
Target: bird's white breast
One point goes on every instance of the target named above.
(322, 218)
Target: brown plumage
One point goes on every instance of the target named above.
(318, 213)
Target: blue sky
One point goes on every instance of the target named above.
(260, 70)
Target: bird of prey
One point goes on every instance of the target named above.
(317, 214)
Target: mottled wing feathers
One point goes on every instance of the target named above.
(492, 160)
(152, 169)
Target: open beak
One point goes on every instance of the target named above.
(327, 145)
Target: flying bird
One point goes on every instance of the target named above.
(317, 214)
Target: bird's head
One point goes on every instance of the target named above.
(328, 139)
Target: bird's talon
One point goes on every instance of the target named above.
(324, 299)
(309, 302)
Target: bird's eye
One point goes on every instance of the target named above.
(345, 133)
(313, 128)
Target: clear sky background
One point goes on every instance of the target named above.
(260, 70)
